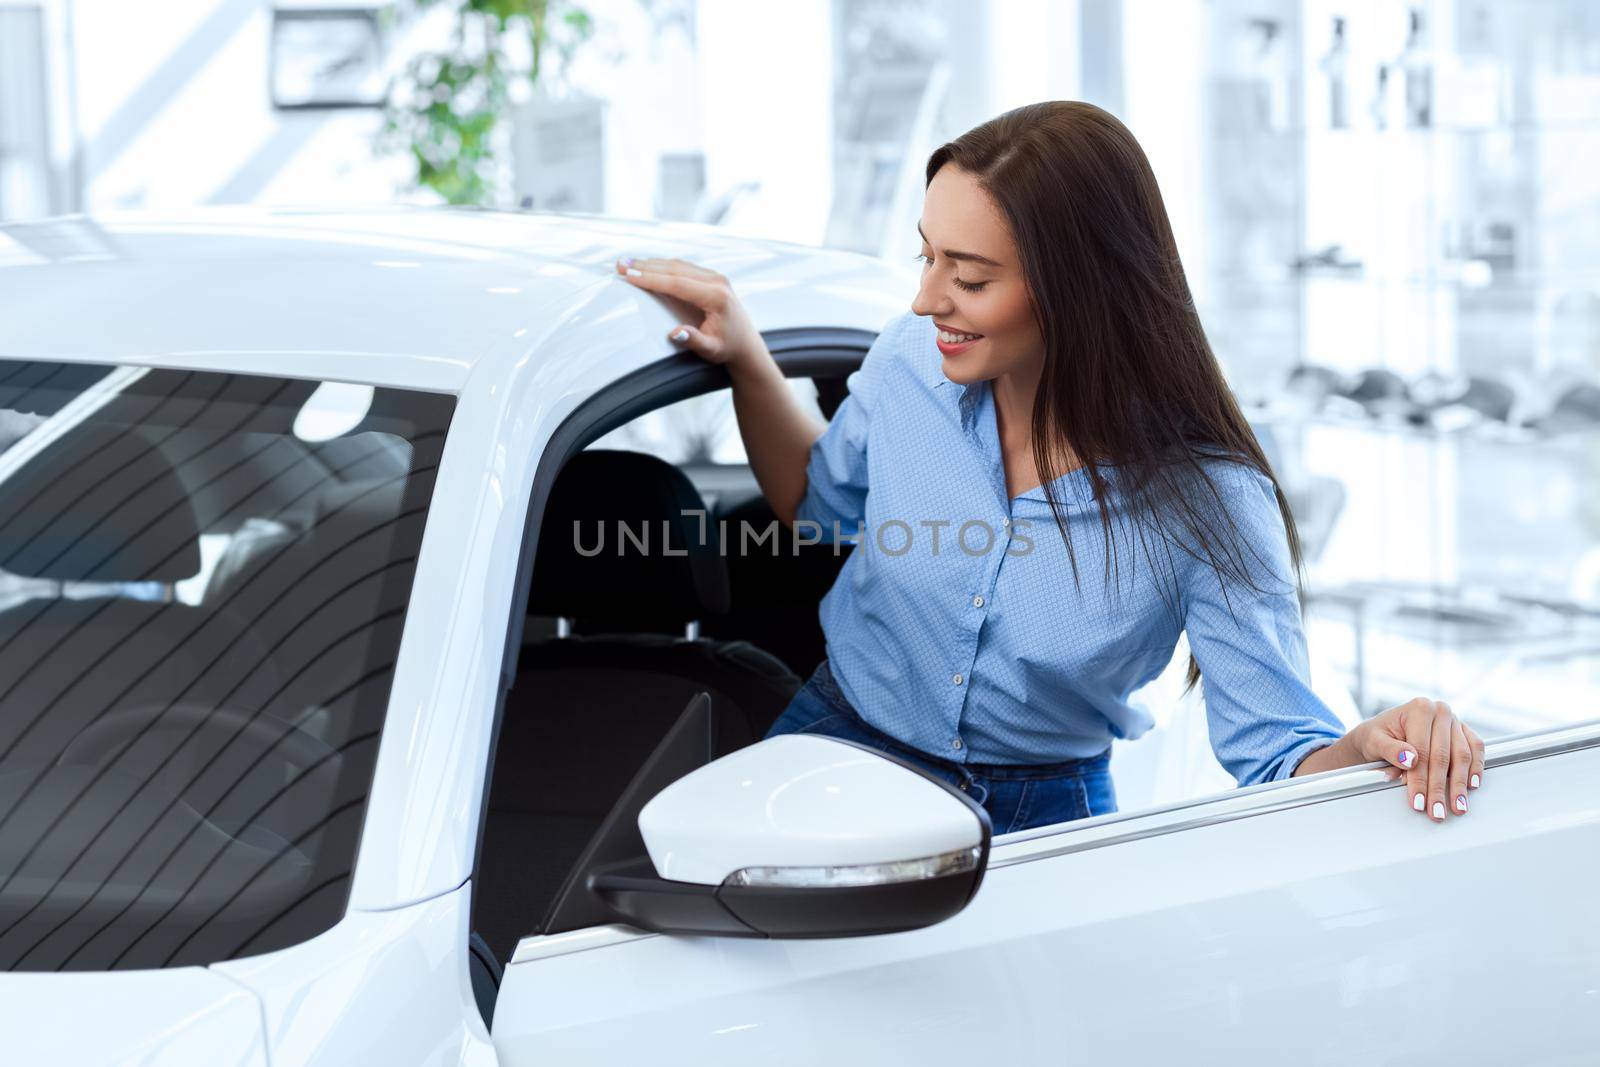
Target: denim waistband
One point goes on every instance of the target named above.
(823, 681)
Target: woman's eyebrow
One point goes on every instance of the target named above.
(973, 256)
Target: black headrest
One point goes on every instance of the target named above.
(620, 500)
(101, 504)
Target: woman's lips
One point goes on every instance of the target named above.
(951, 350)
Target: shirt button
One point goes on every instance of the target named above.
(1004, 523)
(977, 601)
(956, 744)
(956, 679)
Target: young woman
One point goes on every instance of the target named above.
(1049, 402)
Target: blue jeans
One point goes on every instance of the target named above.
(1016, 796)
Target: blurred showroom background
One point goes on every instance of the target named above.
(1389, 213)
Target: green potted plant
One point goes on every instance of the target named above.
(447, 109)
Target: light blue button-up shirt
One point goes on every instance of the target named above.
(955, 624)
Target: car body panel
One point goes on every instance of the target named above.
(380, 987)
(402, 296)
(180, 1017)
(1312, 932)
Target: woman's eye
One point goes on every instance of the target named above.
(970, 287)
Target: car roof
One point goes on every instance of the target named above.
(409, 296)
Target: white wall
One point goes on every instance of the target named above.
(766, 88)
(36, 110)
(174, 110)
(1163, 61)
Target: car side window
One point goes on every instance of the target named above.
(699, 430)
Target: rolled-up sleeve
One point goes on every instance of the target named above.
(836, 472)
(1250, 644)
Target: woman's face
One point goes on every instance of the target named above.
(960, 221)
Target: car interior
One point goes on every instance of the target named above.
(619, 642)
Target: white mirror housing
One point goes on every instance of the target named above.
(802, 836)
(802, 802)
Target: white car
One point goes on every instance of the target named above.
(323, 742)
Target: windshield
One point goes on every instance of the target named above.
(203, 580)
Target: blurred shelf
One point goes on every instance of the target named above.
(1529, 283)
(1572, 444)
(1502, 661)
(1590, 124)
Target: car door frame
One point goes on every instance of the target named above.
(799, 352)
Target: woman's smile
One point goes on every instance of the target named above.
(948, 342)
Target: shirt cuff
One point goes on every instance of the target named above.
(1287, 765)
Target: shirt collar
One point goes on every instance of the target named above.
(1073, 486)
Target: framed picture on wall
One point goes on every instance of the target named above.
(327, 57)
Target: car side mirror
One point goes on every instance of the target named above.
(800, 836)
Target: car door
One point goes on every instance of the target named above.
(1316, 920)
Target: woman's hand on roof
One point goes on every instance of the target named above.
(715, 324)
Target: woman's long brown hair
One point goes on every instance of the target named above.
(1129, 379)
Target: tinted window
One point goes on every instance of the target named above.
(203, 581)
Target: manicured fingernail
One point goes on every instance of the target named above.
(1438, 809)
(635, 272)
(1474, 781)
(681, 335)
(626, 261)
(1461, 802)
(1417, 802)
(1406, 757)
